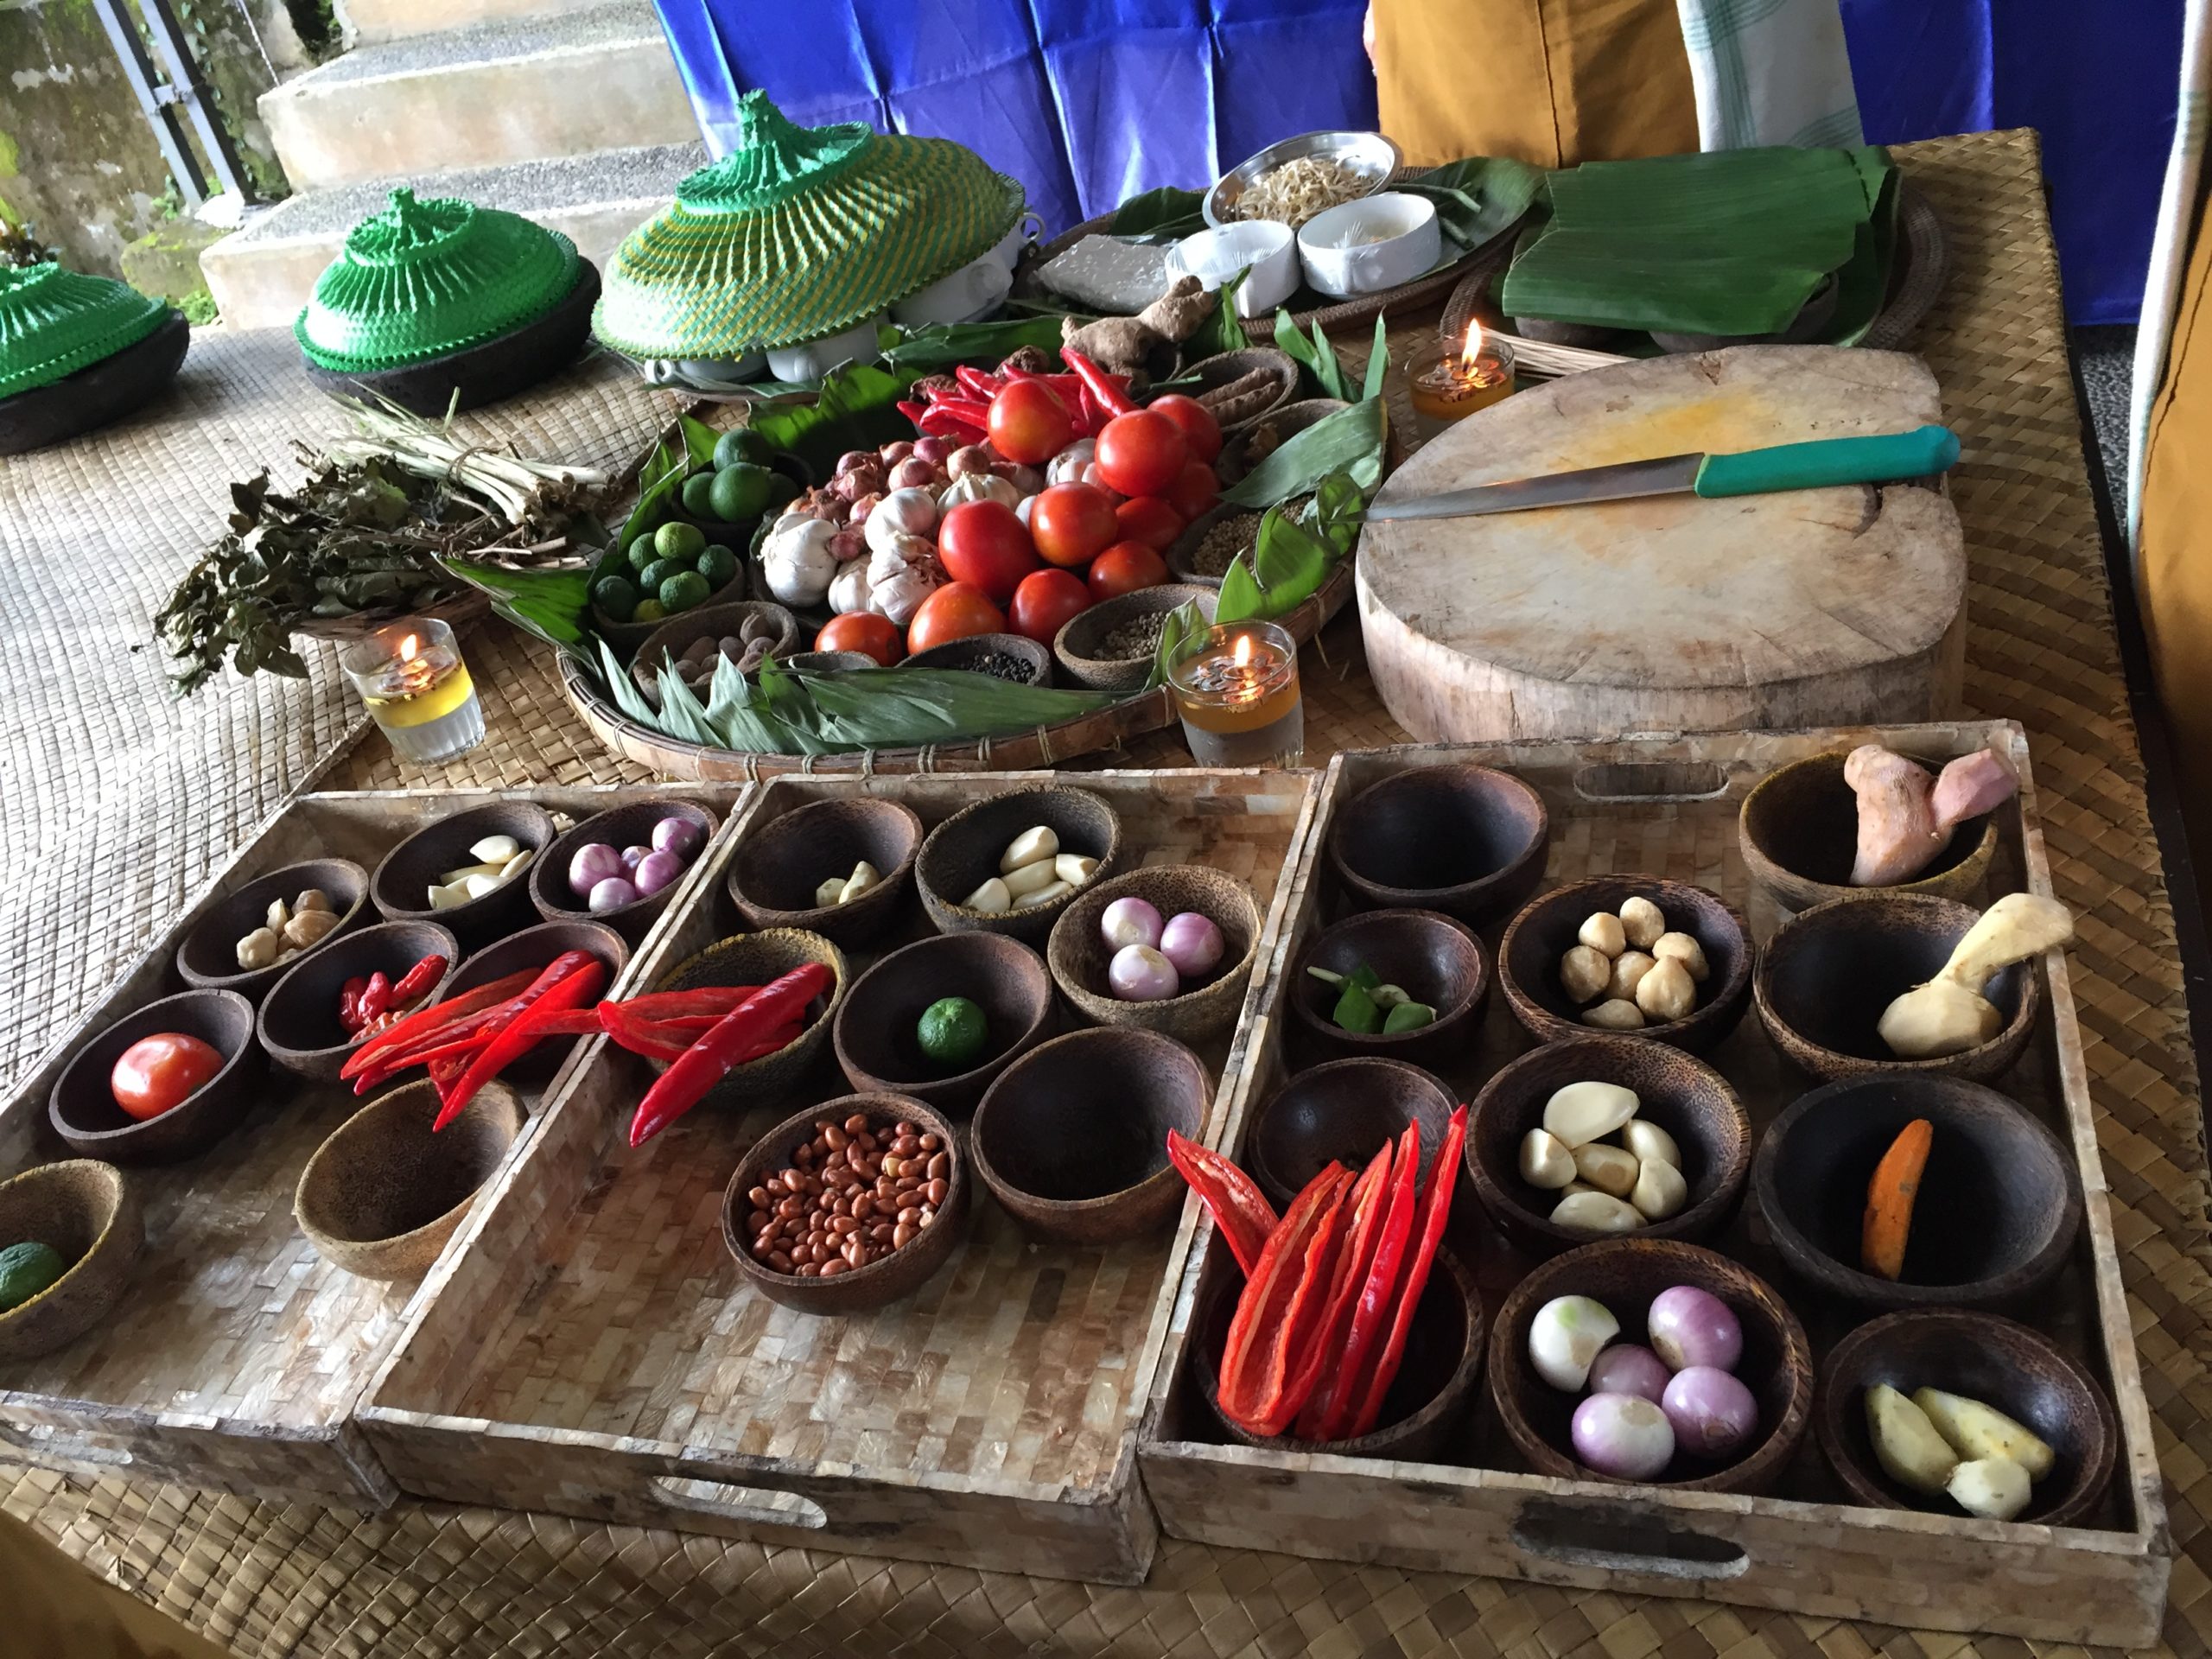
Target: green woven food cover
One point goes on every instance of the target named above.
(422, 278)
(797, 233)
(55, 322)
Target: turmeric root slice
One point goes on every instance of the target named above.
(1890, 1198)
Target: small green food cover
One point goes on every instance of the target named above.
(797, 233)
(55, 322)
(422, 278)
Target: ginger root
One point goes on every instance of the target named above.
(1948, 1014)
(1118, 345)
(1178, 313)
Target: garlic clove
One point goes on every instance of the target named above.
(514, 866)
(1660, 1191)
(992, 898)
(1029, 877)
(831, 892)
(1042, 895)
(477, 885)
(1649, 1143)
(1607, 1168)
(865, 875)
(1074, 869)
(495, 849)
(1583, 1112)
(1595, 1212)
(1027, 848)
(1545, 1161)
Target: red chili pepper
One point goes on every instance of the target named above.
(913, 411)
(939, 422)
(717, 1000)
(985, 386)
(1341, 1390)
(1066, 384)
(1110, 390)
(349, 1003)
(1363, 1231)
(1256, 1372)
(521, 1034)
(376, 997)
(632, 1031)
(975, 411)
(417, 982)
(708, 1061)
(1240, 1210)
(484, 1021)
(1435, 1208)
(438, 1014)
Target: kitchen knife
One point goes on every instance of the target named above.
(1919, 453)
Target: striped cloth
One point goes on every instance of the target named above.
(1769, 72)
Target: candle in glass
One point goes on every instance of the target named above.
(1453, 381)
(1236, 686)
(410, 675)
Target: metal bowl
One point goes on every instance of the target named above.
(1371, 152)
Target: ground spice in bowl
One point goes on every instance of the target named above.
(1138, 637)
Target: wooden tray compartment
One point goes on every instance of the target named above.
(237, 1355)
(591, 1350)
(1668, 806)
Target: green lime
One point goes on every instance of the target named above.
(717, 564)
(679, 541)
(641, 552)
(612, 563)
(696, 493)
(781, 488)
(740, 492)
(649, 578)
(953, 1032)
(742, 443)
(682, 590)
(27, 1269)
(649, 610)
(615, 596)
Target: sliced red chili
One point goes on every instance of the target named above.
(349, 1003)
(1240, 1210)
(1340, 1390)
(1363, 1231)
(708, 1061)
(1435, 1209)
(1279, 1301)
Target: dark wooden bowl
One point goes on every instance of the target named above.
(1432, 958)
(1073, 1138)
(1076, 647)
(402, 884)
(1683, 1095)
(618, 827)
(1799, 830)
(1468, 840)
(82, 1108)
(1223, 367)
(874, 1031)
(899, 1275)
(1999, 1363)
(1347, 1110)
(299, 1017)
(1430, 1397)
(1998, 1206)
(777, 866)
(101, 392)
(1828, 973)
(380, 1197)
(88, 1213)
(1528, 957)
(1626, 1275)
(1079, 956)
(675, 636)
(757, 959)
(532, 949)
(207, 960)
(964, 653)
(963, 853)
(839, 662)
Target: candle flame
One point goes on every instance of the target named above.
(1243, 653)
(407, 649)
(1471, 353)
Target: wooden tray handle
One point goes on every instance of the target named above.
(749, 1505)
(1621, 1538)
(1656, 782)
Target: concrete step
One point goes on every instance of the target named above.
(371, 23)
(515, 90)
(263, 274)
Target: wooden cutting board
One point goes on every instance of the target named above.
(1832, 607)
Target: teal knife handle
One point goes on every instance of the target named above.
(1921, 454)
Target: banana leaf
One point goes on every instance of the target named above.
(1292, 557)
(1477, 196)
(942, 345)
(1224, 330)
(548, 604)
(857, 410)
(1159, 215)
(664, 473)
(1348, 442)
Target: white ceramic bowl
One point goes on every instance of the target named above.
(817, 357)
(1213, 257)
(1365, 247)
(974, 291)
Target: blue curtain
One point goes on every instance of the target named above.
(1088, 101)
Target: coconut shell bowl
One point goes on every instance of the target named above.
(1467, 840)
(298, 1024)
(82, 1107)
(400, 887)
(778, 870)
(757, 959)
(1208, 1002)
(1429, 956)
(1345, 1110)
(208, 959)
(1799, 830)
(557, 900)
(87, 1213)
(528, 952)
(875, 1028)
(964, 852)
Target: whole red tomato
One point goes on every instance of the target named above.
(1123, 569)
(1148, 519)
(864, 632)
(984, 543)
(1201, 432)
(1140, 452)
(1072, 524)
(1195, 489)
(155, 1073)
(1029, 423)
(1045, 601)
(957, 611)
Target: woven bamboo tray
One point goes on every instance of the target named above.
(237, 1353)
(591, 1350)
(1668, 806)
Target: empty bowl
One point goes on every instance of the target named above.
(532, 949)
(759, 959)
(875, 1030)
(1998, 1208)
(1365, 247)
(1073, 1138)
(1344, 1110)
(780, 864)
(402, 883)
(1209, 1002)
(82, 1107)
(1468, 840)
(1799, 830)
(1265, 251)
(618, 827)
(86, 1213)
(1431, 958)
(208, 960)
(298, 1023)
(1828, 974)
(964, 852)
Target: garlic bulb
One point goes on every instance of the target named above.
(902, 512)
(798, 562)
(901, 577)
(979, 486)
(851, 590)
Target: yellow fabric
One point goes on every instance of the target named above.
(1551, 82)
(57, 1609)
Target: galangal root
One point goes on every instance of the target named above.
(1905, 817)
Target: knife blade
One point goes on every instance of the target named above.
(1922, 453)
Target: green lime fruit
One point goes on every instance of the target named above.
(740, 492)
(697, 491)
(27, 1269)
(649, 578)
(641, 552)
(682, 590)
(681, 542)
(649, 610)
(615, 596)
(717, 564)
(953, 1032)
(780, 490)
(742, 443)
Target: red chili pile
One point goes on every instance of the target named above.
(851, 1195)
(368, 1006)
(1331, 1289)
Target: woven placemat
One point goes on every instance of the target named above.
(270, 1578)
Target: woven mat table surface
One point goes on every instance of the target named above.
(432, 1582)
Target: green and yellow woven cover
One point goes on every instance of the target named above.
(55, 322)
(422, 278)
(797, 233)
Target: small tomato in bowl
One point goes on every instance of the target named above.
(1123, 569)
(958, 610)
(1148, 519)
(1045, 602)
(864, 632)
(984, 543)
(158, 1073)
(1140, 452)
(1072, 524)
(1201, 432)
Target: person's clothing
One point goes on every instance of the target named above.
(58, 1609)
(1777, 73)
